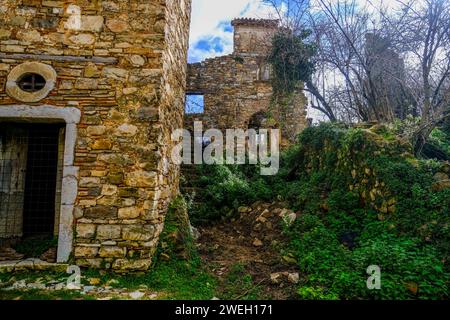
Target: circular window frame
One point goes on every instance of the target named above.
(44, 70)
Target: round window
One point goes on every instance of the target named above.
(31, 81)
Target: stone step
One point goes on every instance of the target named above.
(31, 264)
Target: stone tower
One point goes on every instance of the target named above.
(108, 74)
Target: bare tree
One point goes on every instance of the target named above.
(339, 31)
(420, 30)
(375, 64)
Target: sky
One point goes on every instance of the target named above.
(211, 33)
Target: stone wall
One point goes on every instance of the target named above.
(361, 158)
(119, 63)
(238, 86)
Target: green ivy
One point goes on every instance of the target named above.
(291, 60)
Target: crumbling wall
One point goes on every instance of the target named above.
(238, 86)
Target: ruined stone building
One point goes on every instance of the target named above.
(90, 92)
(236, 89)
(387, 75)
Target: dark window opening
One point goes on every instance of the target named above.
(31, 82)
(195, 103)
(256, 122)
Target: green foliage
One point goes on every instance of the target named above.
(335, 246)
(179, 280)
(36, 246)
(239, 285)
(225, 188)
(177, 236)
(341, 272)
(441, 139)
(315, 293)
(291, 59)
(339, 233)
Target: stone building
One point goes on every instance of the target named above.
(236, 88)
(387, 75)
(90, 92)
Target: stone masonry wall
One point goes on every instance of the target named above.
(120, 63)
(237, 86)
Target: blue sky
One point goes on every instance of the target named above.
(211, 33)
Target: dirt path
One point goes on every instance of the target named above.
(245, 255)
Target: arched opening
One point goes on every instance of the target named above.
(258, 120)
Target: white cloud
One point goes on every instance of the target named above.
(206, 28)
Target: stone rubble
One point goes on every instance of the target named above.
(100, 292)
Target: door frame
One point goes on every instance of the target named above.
(69, 188)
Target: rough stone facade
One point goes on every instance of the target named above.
(237, 87)
(119, 71)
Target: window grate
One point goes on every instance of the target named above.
(28, 179)
(31, 82)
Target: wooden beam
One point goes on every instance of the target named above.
(41, 57)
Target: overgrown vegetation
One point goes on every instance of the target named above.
(36, 246)
(291, 60)
(341, 230)
(373, 62)
(177, 270)
(239, 285)
(224, 189)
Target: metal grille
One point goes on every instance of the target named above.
(31, 82)
(28, 172)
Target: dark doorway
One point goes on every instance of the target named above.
(29, 164)
(40, 180)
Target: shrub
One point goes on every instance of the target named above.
(340, 232)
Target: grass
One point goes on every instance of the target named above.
(42, 295)
(239, 285)
(178, 280)
(172, 280)
(35, 247)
